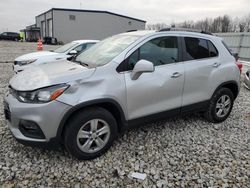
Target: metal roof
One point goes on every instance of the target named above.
(92, 11)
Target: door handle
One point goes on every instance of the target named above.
(176, 75)
(216, 65)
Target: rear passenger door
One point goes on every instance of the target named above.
(201, 63)
(160, 90)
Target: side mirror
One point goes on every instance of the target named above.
(140, 67)
(72, 52)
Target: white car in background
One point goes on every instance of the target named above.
(62, 53)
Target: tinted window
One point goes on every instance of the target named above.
(13, 34)
(159, 51)
(196, 48)
(213, 52)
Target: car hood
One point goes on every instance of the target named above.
(49, 74)
(35, 55)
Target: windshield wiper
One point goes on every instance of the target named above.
(81, 63)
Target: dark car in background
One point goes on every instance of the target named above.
(49, 40)
(10, 36)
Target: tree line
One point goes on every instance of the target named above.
(220, 24)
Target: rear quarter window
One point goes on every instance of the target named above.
(213, 52)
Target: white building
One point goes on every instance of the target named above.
(71, 24)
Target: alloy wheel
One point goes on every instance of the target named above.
(93, 135)
(223, 106)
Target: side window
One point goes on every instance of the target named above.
(133, 59)
(196, 48)
(80, 48)
(159, 51)
(213, 52)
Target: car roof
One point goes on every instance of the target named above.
(85, 41)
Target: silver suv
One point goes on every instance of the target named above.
(127, 79)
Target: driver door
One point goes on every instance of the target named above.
(160, 90)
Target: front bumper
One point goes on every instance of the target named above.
(247, 80)
(47, 116)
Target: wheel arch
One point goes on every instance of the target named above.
(232, 85)
(109, 104)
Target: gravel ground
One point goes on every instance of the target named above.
(9, 50)
(181, 152)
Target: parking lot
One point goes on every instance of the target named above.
(180, 152)
(9, 50)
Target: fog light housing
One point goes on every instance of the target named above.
(31, 129)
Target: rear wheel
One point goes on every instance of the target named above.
(220, 106)
(90, 133)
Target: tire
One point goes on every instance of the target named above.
(212, 114)
(85, 120)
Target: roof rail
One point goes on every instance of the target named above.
(184, 29)
(207, 33)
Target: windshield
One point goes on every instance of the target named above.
(65, 47)
(106, 50)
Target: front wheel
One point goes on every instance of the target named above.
(220, 106)
(90, 133)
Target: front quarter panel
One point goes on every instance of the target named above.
(105, 83)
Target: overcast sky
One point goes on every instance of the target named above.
(16, 14)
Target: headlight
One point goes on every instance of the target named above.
(27, 62)
(41, 95)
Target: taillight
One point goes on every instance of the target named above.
(239, 65)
